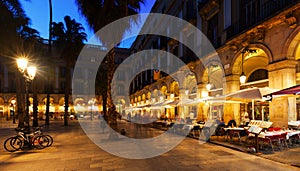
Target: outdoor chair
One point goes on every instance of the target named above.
(282, 141)
(220, 131)
(233, 134)
(271, 141)
(196, 129)
(294, 140)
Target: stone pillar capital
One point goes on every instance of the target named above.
(282, 65)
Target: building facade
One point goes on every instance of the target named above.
(50, 79)
(254, 37)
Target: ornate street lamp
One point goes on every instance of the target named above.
(28, 73)
(13, 102)
(208, 85)
(243, 76)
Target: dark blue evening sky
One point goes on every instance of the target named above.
(38, 12)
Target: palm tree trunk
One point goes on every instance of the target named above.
(104, 100)
(47, 106)
(66, 109)
(50, 26)
(35, 105)
(110, 74)
(67, 91)
(20, 100)
(49, 48)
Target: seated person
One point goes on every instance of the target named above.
(247, 120)
(219, 130)
(188, 120)
(222, 124)
(231, 123)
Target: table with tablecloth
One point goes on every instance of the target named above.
(232, 132)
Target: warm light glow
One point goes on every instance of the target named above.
(204, 93)
(172, 96)
(153, 100)
(31, 72)
(243, 78)
(161, 98)
(22, 64)
(208, 86)
(186, 92)
(13, 101)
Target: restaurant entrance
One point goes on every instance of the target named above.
(261, 110)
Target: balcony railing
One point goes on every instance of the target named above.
(267, 10)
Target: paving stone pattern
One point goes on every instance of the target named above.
(72, 150)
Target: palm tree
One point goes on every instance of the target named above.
(50, 53)
(12, 20)
(68, 37)
(101, 86)
(99, 13)
(16, 38)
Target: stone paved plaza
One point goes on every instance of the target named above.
(73, 150)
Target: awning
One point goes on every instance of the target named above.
(170, 104)
(184, 102)
(250, 94)
(291, 90)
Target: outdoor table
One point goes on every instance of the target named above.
(274, 136)
(294, 124)
(292, 133)
(230, 132)
(192, 127)
(271, 134)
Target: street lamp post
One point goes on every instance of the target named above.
(28, 74)
(13, 102)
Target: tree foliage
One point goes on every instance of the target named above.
(68, 38)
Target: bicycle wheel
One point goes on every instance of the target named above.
(50, 140)
(13, 144)
(40, 141)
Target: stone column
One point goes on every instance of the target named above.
(182, 109)
(282, 75)
(231, 83)
(203, 107)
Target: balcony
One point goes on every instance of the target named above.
(266, 11)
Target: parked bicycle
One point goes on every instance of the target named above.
(28, 139)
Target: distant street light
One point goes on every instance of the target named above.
(13, 102)
(28, 74)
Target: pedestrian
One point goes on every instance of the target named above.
(231, 123)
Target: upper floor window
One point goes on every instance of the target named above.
(250, 12)
(212, 30)
(227, 13)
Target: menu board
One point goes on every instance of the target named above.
(209, 123)
(262, 124)
(255, 129)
